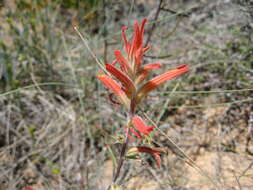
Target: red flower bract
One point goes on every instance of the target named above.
(153, 152)
(140, 126)
(115, 88)
(153, 83)
(122, 77)
(143, 149)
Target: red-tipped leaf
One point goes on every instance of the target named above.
(115, 88)
(149, 67)
(127, 44)
(142, 27)
(140, 126)
(122, 77)
(155, 153)
(143, 73)
(155, 82)
(137, 39)
(122, 61)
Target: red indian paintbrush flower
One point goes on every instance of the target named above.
(126, 79)
(132, 72)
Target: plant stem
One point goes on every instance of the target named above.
(122, 155)
(123, 150)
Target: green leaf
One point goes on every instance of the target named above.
(56, 170)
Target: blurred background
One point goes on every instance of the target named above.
(56, 118)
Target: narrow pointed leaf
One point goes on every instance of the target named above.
(140, 126)
(139, 34)
(134, 44)
(126, 42)
(155, 153)
(155, 82)
(115, 88)
(145, 49)
(122, 77)
(143, 73)
(151, 66)
(122, 61)
(142, 27)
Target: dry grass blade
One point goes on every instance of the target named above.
(89, 49)
(179, 152)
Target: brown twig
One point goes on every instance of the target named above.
(157, 57)
(154, 23)
(175, 12)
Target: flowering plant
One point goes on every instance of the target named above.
(125, 77)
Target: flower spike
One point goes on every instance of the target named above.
(129, 89)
